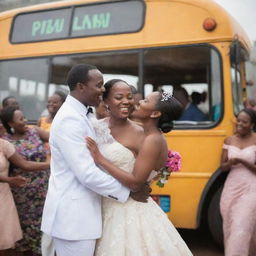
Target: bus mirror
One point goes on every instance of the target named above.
(235, 52)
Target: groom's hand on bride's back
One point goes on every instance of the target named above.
(141, 195)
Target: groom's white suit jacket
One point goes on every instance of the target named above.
(72, 208)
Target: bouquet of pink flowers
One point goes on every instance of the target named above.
(173, 164)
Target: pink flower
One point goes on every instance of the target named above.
(173, 164)
(173, 161)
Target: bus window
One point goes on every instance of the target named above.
(238, 57)
(112, 65)
(216, 99)
(236, 90)
(199, 95)
(27, 80)
(191, 69)
(148, 88)
(250, 83)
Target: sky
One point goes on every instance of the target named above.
(244, 12)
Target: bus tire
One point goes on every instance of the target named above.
(214, 217)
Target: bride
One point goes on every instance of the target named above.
(131, 156)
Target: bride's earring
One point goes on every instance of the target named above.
(107, 107)
(12, 130)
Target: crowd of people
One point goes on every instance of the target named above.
(24, 147)
(76, 193)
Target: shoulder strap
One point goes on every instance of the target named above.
(225, 146)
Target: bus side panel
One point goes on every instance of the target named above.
(200, 152)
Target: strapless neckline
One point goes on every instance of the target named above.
(241, 148)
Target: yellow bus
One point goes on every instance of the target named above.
(171, 45)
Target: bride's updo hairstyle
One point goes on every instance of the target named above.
(170, 109)
(108, 86)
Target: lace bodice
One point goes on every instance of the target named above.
(112, 149)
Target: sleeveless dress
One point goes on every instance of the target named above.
(133, 228)
(238, 204)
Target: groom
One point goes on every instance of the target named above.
(72, 211)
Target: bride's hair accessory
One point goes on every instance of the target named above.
(173, 164)
(166, 96)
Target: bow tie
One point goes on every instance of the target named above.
(89, 110)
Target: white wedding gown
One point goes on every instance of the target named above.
(133, 228)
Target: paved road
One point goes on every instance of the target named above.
(200, 243)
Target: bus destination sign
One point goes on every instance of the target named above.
(79, 21)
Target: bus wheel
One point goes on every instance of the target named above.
(214, 217)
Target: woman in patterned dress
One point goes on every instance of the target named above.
(30, 198)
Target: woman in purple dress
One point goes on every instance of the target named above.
(30, 198)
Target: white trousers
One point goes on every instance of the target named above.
(47, 246)
(74, 248)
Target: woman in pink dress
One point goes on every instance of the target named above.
(10, 230)
(238, 199)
